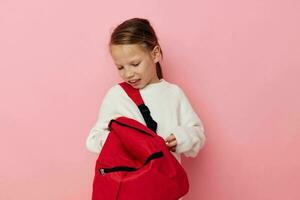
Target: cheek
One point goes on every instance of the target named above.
(151, 69)
(140, 70)
(146, 69)
(121, 73)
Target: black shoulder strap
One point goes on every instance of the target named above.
(136, 97)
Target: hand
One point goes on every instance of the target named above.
(171, 142)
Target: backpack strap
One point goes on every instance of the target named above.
(136, 97)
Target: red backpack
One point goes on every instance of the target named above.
(135, 163)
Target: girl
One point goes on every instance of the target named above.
(136, 53)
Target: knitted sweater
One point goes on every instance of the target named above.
(169, 107)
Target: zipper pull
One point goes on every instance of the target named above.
(102, 172)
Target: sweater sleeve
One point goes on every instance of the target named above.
(99, 132)
(190, 131)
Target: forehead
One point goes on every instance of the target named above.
(127, 52)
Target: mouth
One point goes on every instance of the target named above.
(134, 82)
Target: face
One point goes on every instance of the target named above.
(136, 65)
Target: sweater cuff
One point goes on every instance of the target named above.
(189, 140)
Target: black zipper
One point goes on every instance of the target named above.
(104, 171)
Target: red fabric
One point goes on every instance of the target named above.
(161, 179)
(133, 93)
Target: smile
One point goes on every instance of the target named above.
(134, 81)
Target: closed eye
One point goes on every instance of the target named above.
(136, 64)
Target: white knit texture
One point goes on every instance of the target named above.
(169, 107)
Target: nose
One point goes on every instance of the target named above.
(129, 73)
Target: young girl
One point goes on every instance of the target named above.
(136, 53)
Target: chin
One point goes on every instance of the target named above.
(140, 86)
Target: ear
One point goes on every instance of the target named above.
(155, 54)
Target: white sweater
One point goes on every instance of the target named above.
(169, 107)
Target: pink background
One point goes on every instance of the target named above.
(238, 62)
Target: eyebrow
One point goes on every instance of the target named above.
(132, 61)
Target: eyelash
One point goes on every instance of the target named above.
(135, 65)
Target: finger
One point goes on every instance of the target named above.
(170, 138)
(173, 149)
(172, 143)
